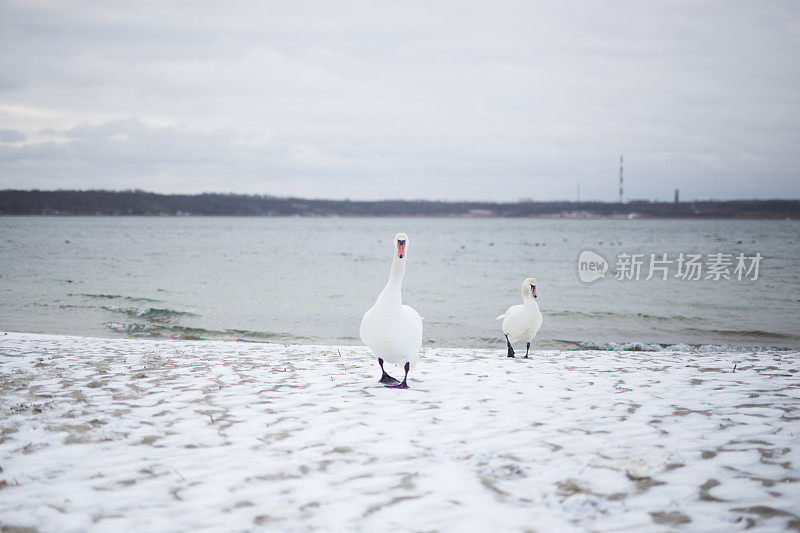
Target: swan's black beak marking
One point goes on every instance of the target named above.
(533, 291)
(401, 248)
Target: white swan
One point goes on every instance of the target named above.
(522, 322)
(393, 331)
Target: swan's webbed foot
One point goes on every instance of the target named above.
(527, 348)
(510, 349)
(388, 380)
(402, 385)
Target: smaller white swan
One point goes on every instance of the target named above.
(393, 331)
(522, 322)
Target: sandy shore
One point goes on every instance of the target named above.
(106, 434)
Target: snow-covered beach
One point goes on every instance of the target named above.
(121, 434)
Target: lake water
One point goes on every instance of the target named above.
(309, 280)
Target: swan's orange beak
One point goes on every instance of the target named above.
(401, 249)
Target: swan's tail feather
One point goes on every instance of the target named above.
(501, 316)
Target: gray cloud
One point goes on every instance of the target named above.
(11, 136)
(447, 100)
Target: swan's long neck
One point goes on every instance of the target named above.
(391, 293)
(527, 298)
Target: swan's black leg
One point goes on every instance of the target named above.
(528, 347)
(510, 349)
(402, 385)
(386, 378)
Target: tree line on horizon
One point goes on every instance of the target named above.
(137, 202)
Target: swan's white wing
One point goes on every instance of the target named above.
(510, 310)
(416, 320)
(521, 323)
(411, 312)
(366, 329)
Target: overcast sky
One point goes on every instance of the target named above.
(438, 100)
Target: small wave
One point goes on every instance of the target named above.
(594, 314)
(133, 329)
(681, 347)
(621, 346)
(153, 314)
(138, 329)
(266, 336)
(188, 334)
(114, 297)
(746, 333)
(617, 314)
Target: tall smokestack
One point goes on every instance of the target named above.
(620, 179)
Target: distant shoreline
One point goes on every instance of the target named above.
(141, 203)
(468, 217)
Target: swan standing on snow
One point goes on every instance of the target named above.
(393, 331)
(522, 321)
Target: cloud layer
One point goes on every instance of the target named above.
(467, 100)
